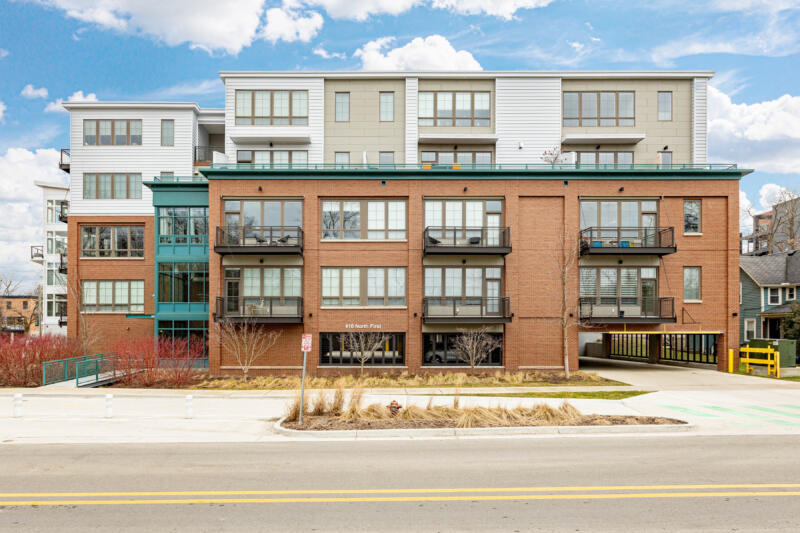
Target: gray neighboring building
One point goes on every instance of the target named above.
(769, 286)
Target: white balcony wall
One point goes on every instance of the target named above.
(412, 121)
(700, 120)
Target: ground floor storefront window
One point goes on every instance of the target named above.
(335, 349)
(194, 332)
(439, 349)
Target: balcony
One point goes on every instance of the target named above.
(437, 310)
(63, 161)
(63, 211)
(259, 310)
(37, 254)
(62, 263)
(628, 310)
(628, 241)
(467, 240)
(258, 240)
(204, 155)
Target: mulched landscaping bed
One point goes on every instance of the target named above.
(326, 423)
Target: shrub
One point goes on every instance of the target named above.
(153, 361)
(21, 359)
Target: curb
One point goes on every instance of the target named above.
(481, 432)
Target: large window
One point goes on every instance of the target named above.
(591, 108)
(342, 107)
(112, 186)
(56, 305)
(183, 282)
(273, 158)
(167, 132)
(606, 159)
(269, 281)
(334, 350)
(364, 286)
(463, 216)
(386, 107)
(112, 296)
(607, 213)
(454, 108)
(182, 225)
(691, 216)
(464, 284)
(364, 219)
(192, 331)
(277, 108)
(54, 210)
(627, 286)
(54, 277)
(452, 158)
(108, 132)
(438, 349)
(665, 105)
(691, 284)
(112, 241)
(264, 213)
(56, 242)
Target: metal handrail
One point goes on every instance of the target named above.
(259, 307)
(281, 167)
(467, 236)
(249, 236)
(63, 369)
(466, 307)
(37, 252)
(205, 153)
(627, 237)
(627, 307)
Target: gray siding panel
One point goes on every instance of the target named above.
(528, 118)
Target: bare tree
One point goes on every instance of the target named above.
(8, 286)
(778, 230)
(552, 155)
(247, 342)
(363, 345)
(473, 346)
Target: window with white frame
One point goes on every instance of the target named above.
(774, 296)
(664, 105)
(54, 277)
(109, 296)
(665, 159)
(691, 216)
(790, 294)
(167, 132)
(344, 219)
(386, 158)
(691, 284)
(364, 286)
(749, 329)
(342, 107)
(342, 158)
(386, 107)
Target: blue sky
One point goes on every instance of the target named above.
(150, 49)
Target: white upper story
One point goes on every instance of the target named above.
(407, 117)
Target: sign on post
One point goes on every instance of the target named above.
(305, 346)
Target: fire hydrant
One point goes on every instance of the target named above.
(394, 407)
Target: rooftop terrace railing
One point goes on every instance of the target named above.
(180, 179)
(477, 167)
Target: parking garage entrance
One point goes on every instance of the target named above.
(659, 346)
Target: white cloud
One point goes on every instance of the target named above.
(2, 112)
(189, 89)
(3, 53)
(730, 82)
(498, 8)
(77, 96)
(324, 54)
(575, 45)
(362, 9)
(430, 53)
(21, 205)
(770, 194)
(30, 92)
(771, 6)
(777, 38)
(289, 24)
(226, 25)
(762, 135)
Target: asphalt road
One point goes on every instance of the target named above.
(670, 483)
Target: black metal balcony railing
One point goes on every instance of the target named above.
(37, 253)
(64, 160)
(259, 239)
(628, 240)
(205, 154)
(63, 211)
(624, 309)
(260, 309)
(62, 263)
(467, 239)
(466, 309)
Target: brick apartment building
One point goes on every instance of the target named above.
(418, 205)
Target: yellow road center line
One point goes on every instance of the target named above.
(399, 491)
(368, 499)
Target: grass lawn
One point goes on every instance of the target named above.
(589, 395)
(405, 380)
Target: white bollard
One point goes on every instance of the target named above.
(189, 407)
(109, 397)
(17, 402)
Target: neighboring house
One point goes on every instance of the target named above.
(769, 286)
(776, 230)
(18, 309)
(417, 204)
(52, 254)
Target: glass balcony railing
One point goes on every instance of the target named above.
(627, 309)
(259, 239)
(466, 310)
(628, 240)
(479, 240)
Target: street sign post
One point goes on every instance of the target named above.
(305, 345)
